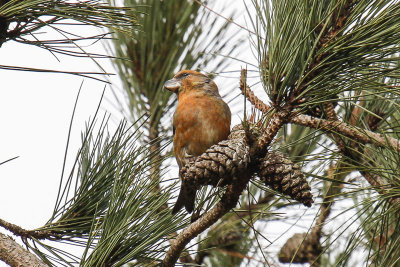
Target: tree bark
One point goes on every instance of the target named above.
(15, 255)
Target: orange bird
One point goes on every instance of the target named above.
(201, 120)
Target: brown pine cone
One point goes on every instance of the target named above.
(221, 163)
(300, 248)
(282, 175)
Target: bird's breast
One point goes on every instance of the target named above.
(200, 121)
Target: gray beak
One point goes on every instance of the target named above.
(172, 85)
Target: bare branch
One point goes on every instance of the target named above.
(14, 254)
(342, 128)
(19, 231)
(249, 94)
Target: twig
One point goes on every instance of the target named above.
(19, 231)
(361, 135)
(14, 254)
(249, 94)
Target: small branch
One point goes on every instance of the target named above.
(249, 94)
(342, 128)
(14, 254)
(18, 231)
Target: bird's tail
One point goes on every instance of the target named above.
(185, 199)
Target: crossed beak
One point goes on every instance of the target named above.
(172, 85)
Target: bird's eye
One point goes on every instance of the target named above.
(182, 75)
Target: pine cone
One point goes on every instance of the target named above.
(300, 248)
(221, 163)
(282, 175)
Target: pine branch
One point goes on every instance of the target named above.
(327, 34)
(338, 127)
(23, 233)
(249, 94)
(14, 254)
(307, 247)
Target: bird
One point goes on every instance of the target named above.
(201, 119)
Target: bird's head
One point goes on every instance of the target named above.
(190, 80)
